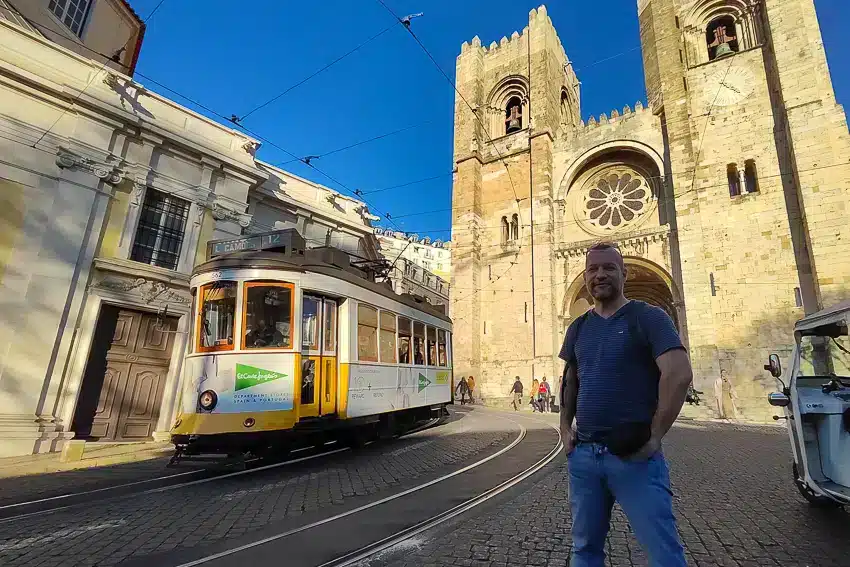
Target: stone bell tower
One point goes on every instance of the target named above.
(757, 157)
(522, 93)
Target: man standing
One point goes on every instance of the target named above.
(625, 382)
(516, 390)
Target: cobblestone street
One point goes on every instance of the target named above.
(109, 532)
(734, 499)
(735, 502)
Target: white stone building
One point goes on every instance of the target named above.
(108, 195)
(419, 265)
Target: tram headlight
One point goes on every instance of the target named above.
(208, 400)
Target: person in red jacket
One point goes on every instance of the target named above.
(543, 393)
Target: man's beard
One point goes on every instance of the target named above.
(603, 291)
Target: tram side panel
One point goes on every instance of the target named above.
(376, 389)
(258, 385)
(373, 388)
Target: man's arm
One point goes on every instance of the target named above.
(569, 396)
(676, 376)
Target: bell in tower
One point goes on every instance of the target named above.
(724, 44)
(513, 116)
(722, 50)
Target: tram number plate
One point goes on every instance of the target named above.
(215, 276)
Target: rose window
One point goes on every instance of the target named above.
(617, 200)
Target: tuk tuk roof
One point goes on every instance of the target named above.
(834, 314)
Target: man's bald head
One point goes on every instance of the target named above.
(605, 272)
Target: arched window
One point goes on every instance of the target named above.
(734, 180)
(721, 37)
(714, 29)
(751, 176)
(515, 227)
(506, 234)
(565, 106)
(513, 115)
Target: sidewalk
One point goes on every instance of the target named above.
(32, 477)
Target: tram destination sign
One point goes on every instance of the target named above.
(284, 240)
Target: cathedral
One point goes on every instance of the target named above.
(727, 193)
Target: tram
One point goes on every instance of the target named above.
(290, 343)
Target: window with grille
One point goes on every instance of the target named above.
(162, 224)
(72, 13)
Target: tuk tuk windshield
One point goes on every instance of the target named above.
(822, 356)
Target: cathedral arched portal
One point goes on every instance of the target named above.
(645, 281)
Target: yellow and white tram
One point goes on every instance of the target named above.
(290, 343)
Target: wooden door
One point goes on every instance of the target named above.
(136, 369)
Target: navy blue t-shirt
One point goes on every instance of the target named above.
(617, 373)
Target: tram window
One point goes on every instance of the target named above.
(268, 315)
(418, 343)
(218, 309)
(404, 340)
(308, 381)
(432, 346)
(441, 347)
(330, 326)
(388, 352)
(310, 323)
(367, 333)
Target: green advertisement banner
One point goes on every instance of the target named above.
(249, 376)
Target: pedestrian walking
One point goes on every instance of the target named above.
(463, 389)
(543, 396)
(535, 388)
(625, 382)
(516, 390)
(470, 383)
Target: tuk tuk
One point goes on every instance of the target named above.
(815, 397)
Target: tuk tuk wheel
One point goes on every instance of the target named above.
(815, 500)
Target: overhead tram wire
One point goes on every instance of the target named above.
(229, 119)
(89, 83)
(659, 199)
(366, 141)
(305, 161)
(406, 23)
(409, 183)
(154, 11)
(237, 119)
(213, 112)
(693, 178)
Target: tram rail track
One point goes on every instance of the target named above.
(386, 544)
(208, 474)
(361, 553)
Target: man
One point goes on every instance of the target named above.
(264, 335)
(626, 380)
(470, 384)
(516, 390)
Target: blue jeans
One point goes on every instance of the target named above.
(597, 479)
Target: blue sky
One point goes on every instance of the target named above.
(232, 61)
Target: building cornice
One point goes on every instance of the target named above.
(111, 97)
(280, 198)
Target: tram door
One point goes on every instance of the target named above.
(318, 356)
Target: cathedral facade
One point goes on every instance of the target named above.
(727, 193)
